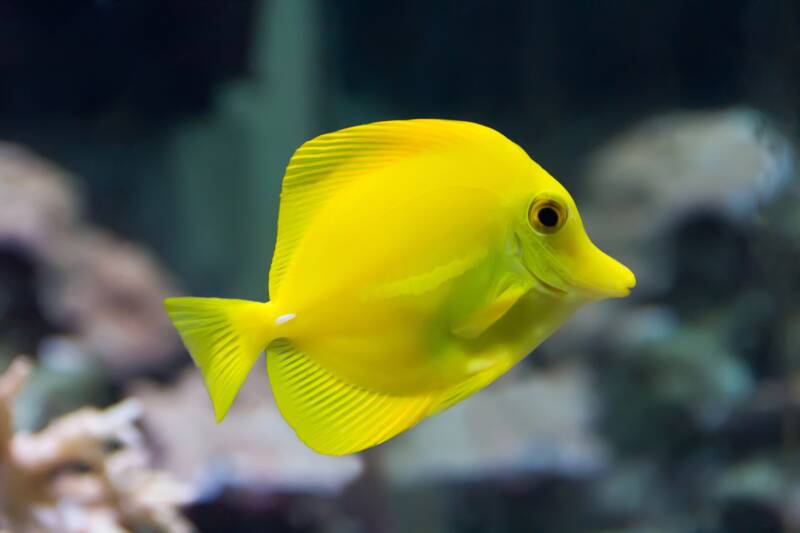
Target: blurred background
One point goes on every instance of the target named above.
(142, 145)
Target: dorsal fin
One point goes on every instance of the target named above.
(325, 164)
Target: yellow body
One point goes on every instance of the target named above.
(410, 271)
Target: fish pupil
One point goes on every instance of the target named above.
(548, 217)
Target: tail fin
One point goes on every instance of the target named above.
(224, 338)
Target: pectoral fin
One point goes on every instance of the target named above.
(482, 319)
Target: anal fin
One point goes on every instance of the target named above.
(332, 416)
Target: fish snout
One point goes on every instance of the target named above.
(602, 276)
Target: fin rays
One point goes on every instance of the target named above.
(330, 415)
(324, 165)
(224, 338)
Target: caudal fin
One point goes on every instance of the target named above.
(224, 338)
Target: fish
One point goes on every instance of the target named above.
(416, 261)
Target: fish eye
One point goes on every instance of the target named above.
(547, 215)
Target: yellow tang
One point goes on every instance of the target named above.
(416, 262)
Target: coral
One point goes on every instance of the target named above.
(86, 471)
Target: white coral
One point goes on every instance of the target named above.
(86, 471)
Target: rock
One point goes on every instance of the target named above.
(64, 380)
(39, 210)
(102, 292)
(763, 422)
(110, 293)
(630, 489)
(792, 508)
(22, 319)
(788, 341)
(662, 391)
(254, 449)
(39, 207)
(537, 424)
(759, 478)
(643, 183)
